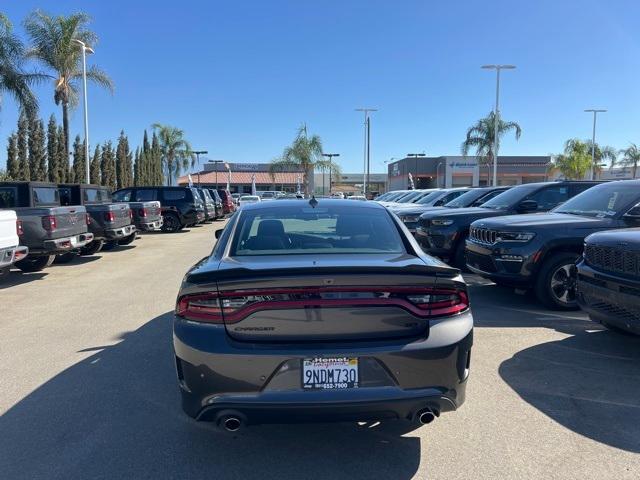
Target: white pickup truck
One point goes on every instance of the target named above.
(10, 251)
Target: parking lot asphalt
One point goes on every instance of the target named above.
(87, 389)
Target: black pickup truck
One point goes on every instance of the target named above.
(540, 251)
(443, 233)
(48, 228)
(110, 223)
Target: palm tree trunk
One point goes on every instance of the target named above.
(635, 168)
(65, 128)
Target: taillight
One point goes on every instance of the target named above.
(143, 212)
(19, 229)
(109, 216)
(204, 308)
(88, 218)
(49, 223)
(237, 305)
(130, 214)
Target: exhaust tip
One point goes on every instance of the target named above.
(231, 424)
(426, 416)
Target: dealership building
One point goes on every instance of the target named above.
(459, 171)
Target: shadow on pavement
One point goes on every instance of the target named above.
(589, 383)
(116, 414)
(16, 277)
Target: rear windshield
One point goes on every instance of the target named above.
(95, 195)
(45, 196)
(302, 229)
(7, 197)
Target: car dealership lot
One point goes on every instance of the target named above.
(87, 389)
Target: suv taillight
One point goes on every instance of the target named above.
(49, 223)
(19, 229)
(424, 302)
(109, 216)
(143, 212)
(88, 218)
(130, 214)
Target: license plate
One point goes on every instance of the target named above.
(329, 373)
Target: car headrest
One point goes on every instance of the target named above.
(272, 228)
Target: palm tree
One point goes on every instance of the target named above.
(304, 153)
(575, 161)
(54, 47)
(630, 156)
(177, 153)
(480, 137)
(13, 79)
(602, 153)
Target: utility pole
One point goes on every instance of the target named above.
(595, 112)
(496, 116)
(197, 153)
(367, 144)
(330, 157)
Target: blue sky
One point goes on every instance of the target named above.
(240, 77)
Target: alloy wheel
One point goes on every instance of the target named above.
(563, 284)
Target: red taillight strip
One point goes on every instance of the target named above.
(215, 314)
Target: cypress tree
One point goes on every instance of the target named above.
(94, 173)
(52, 150)
(23, 149)
(123, 162)
(78, 170)
(136, 168)
(157, 177)
(13, 167)
(37, 150)
(145, 156)
(62, 159)
(108, 166)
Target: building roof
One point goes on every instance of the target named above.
(243, 178)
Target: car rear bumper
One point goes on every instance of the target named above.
(262, 382)
(11, 255)
(67, 243)
(118, 233)
(149, 226)
(609, 299)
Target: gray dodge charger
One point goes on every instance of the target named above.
(320, 310)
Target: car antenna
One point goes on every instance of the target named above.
(313, 202)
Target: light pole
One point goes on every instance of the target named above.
(496, 116)
(85, 49)
(367, 145)
(216, 162)
(595, 112)
(330, 157)
(197, 153)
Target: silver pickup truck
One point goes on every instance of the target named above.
(47, 228)
(10, 250)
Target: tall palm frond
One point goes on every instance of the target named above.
(630, 157)
(177, 154)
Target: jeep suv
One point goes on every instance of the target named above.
(443, 233)
(540, 251)
(181, 206)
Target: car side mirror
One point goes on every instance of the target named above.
(219, 233)
(528, 206)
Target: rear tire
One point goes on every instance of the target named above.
(92, 248)
(65, 258)
(171, 223)
(35, 264)
(556, 283)
(127, 240)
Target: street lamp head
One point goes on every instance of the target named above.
(498, 67)
(596, 110)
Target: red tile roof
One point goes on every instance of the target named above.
(243, 178)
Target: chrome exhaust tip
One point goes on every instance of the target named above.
(231, 424)
(426, 416)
